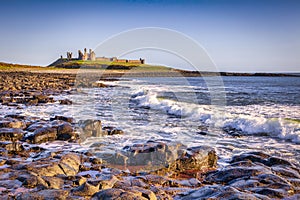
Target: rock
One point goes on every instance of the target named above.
(85, 190)
(217, 192)
(10, 184)
(272, 193)
(228, 174)
(286, 171)
(197, 158)
(12, 123)
(31, 181)
(272, 161)
(90, 128)
(104, 182)
(70, 163)
(65, 102)
(63, 118)
(12, 146)
(110, 130)
(36, 125)
(50, 194)
(65, 131)
(49, 168)
(154, 154)
(114, 193)
(43, 134)
(11, 134)
(53, 182)
(43, 99)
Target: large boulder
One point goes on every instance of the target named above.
(70, 163)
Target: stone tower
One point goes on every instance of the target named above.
(92, 55)
(85, 55)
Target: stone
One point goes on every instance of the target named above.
(11, 134)
(48, 168)
(115, 194)
(53, 182)
(216, 192)
(65, 102)
(228, 174)
(85, 190)
(32, 181)
(197, 158)
(50, 194)
(10, 184)
(63, 118)
(110, 130)
(12, 146)
(37, 125)
(90, 128)
(104, 182)
(12, 123)
(65, 131)
(70, 163)
(41, 135)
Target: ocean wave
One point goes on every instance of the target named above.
(247, 120)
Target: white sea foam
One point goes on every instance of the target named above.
(248, 120)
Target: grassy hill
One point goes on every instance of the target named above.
(74, 64)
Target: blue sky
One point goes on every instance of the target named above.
(239, 35)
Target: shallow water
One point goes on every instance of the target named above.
(264, 111)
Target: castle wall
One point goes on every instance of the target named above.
(103, 59)
(135, 61)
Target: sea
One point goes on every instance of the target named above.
(231, 114)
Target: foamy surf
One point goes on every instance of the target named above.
(233, 117)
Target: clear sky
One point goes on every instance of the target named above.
(239, 35)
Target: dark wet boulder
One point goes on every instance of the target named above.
(11, 134)
(41, 135)
(272, 161)
(252, 156)
(65, 102)
(65, 131)
(111, 130)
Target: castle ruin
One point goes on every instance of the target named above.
(92, 57)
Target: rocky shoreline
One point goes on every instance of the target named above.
(30, 169)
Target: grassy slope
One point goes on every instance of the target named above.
(114, 65)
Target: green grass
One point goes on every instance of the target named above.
(293, 120)
(99, 64)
